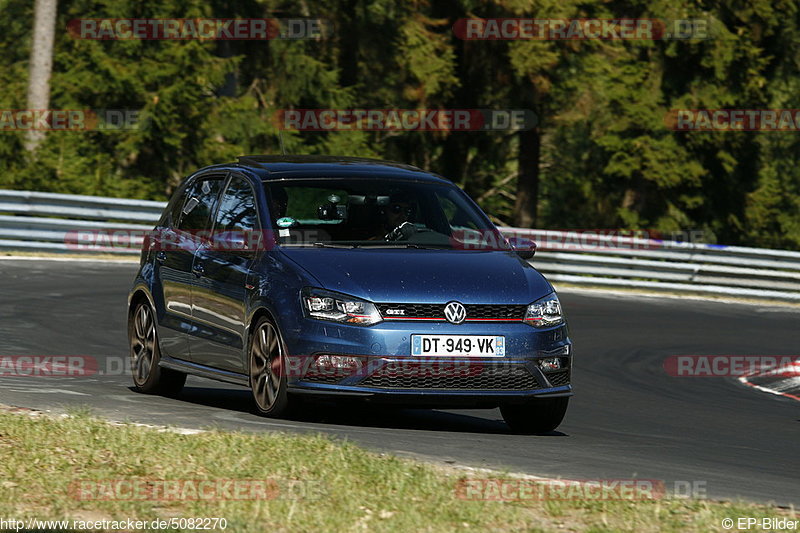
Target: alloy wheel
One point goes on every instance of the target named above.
(266, 360)
(143, 343)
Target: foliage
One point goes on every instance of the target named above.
(608, 159)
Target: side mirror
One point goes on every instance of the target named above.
(524, 248)
(237, 242)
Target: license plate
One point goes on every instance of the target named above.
(458, 345)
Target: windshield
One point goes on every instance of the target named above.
(375, 212)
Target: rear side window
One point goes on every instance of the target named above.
(237, 209)
(173, 212)
(201, 200)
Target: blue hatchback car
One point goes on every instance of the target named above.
(308, 276)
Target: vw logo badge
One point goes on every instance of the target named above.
(455, 313)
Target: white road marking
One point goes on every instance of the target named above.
(115, 261)
(48, 391)
(788, 388)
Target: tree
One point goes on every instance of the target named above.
(41, 64)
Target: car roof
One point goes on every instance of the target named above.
(273, 167)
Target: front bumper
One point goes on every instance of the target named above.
(429, 397)
(388, 373)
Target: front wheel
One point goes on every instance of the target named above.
(148, 376)
(267, 375)
(537, 416)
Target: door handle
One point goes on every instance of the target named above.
(161, 257)
(198, 270)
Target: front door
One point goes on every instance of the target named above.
(222, 264)
(175, 250)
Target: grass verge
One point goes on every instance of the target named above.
(316, 484)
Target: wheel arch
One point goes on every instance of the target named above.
(257, 314)
(138, 294)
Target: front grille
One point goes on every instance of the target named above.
(330, 378)
(484, 377)
(474, 311)
(557, 379)
(507, 312)
(412, 310)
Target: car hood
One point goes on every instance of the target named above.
(423, 276)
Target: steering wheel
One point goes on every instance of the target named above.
(404, 230)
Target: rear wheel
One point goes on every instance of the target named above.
(537, 416)
(148, 376)
(267, 365)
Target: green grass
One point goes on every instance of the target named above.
(336, 486)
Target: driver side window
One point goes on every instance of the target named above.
(200, 203)
(237, 209)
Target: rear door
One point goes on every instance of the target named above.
(223, 265)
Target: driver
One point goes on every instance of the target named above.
(400, 210)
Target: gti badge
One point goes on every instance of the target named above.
(455, 313)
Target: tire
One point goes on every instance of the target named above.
(267, 364)
(538, 416)
(145, 353)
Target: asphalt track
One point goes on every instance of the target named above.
(628, 418)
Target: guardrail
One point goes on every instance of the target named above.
(583, 258)
(43, 221)
(47, 222)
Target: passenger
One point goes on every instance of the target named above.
(278, 202)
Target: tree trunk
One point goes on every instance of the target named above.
(41, 64)
(530, 143)
(347, 28)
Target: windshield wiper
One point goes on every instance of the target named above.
(319, 245)
(409, 245)
(333, 245)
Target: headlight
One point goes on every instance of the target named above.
(326, 305)
(545, 312)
